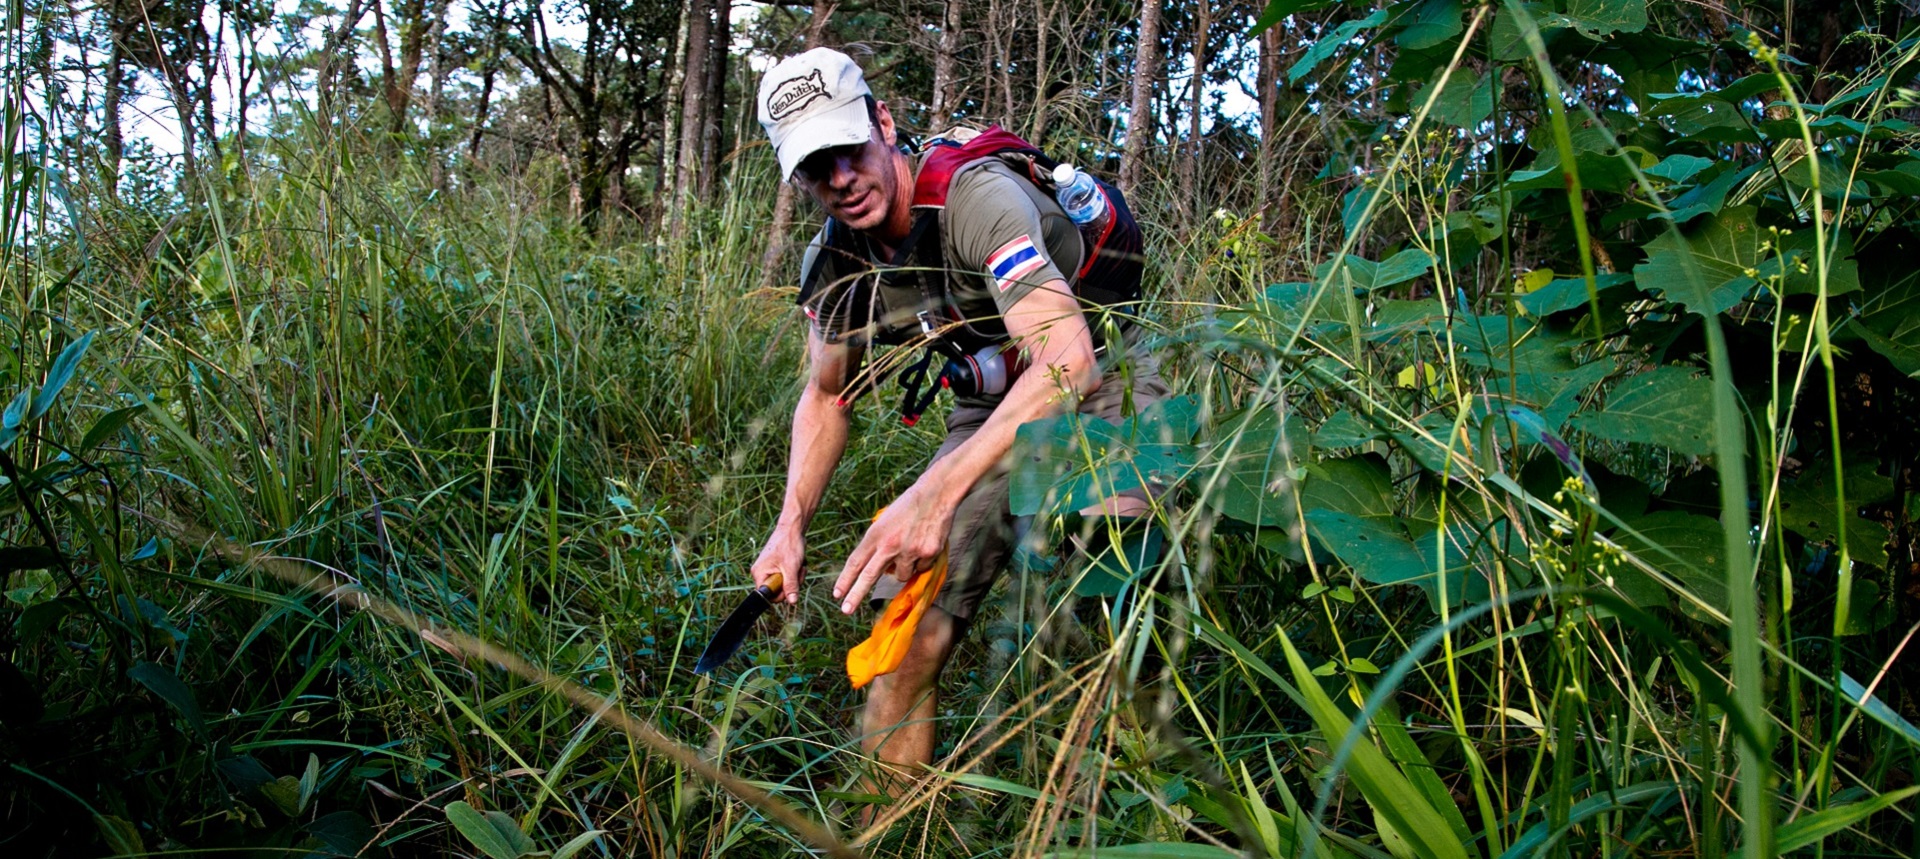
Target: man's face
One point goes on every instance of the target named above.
(856, 184)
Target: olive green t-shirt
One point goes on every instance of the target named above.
(1001, 238)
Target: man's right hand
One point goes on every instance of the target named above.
(784, 554)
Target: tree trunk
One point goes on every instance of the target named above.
(1190, 160)
(1146, 70)
(943, 58)
(489, 68)
(1042, 24)
(783, 199)
(1267, 85)
(714, 111)
(110, 111)
(693, 108)
(331, 57)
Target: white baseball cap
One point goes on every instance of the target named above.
(812, 101)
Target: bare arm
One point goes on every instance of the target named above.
(910, 534)
(820, 427)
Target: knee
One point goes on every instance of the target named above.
(933, 641)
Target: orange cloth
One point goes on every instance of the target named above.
(883, 651)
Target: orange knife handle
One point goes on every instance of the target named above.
(773, 584)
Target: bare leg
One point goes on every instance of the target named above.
(896, 727)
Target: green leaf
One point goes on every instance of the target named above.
(59, 374)
(1332, 42)
(1344, 429)
(1667, 406)
(106, 425)
(495, 833)
(162, 682)
(1250, 465)
(1810, 829)
(1843, 271)
(122, 837)
(1431, 23)
(1369, 275)
(1540, 834)
(1568, 293)
(1148, 850)
(14, 417)
(1679, 168)
(1466, 101)
(1383, 785)
(1506, 38)
(1706, 199)
(1689, 548)
(1357, 485)
(1598, 19)
(1877, 709)
(345, 833)
(578, 843)
(1890, 323)
(1377, 548)
(1278, 10)
(1807, 507)
(284, 793)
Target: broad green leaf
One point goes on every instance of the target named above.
(1466, 101)
(1809, 829)
(495, 833)
(1843, 271)
(284, 793)
(1807, 507)
(1431, 23)
(1377, 548)
(1356, 485)
(1706, 199)
(1330, 44)
(1889, 321)
(1506, 38)
(1345, 429)
(162, 682)
(1568, 293)
(1696, 541)
(1667, 406)
(346, 833)
(1383, 785)
(59, 374)
(1679, 168)
(1704, 117)
(1278, 10)
(1369, 275)
(1598, 19)
(1406, 754)
(1255, 461)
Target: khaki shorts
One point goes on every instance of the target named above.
(981, 542)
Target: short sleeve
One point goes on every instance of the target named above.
(994, 229)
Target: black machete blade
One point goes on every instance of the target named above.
(734, 631)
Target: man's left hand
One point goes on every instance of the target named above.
(904, 540)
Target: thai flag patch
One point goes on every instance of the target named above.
(1014, 260)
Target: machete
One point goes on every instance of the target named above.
(734, 631)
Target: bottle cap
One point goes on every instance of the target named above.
(1063, 174)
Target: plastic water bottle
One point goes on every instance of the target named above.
(1081, 197)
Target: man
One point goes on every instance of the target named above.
(1005, 243)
